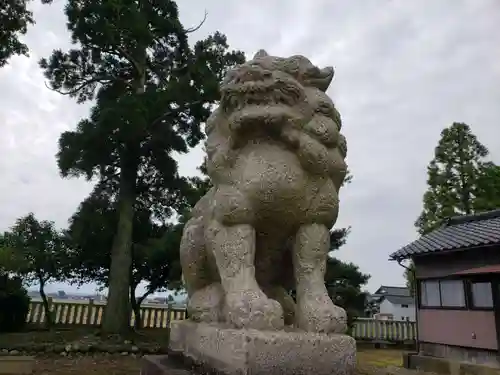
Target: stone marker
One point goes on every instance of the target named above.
(16, 365)
(275, 156)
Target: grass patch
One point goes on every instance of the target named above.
(380, 357)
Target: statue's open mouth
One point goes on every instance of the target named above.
(255, 96)
(257, 86)
(237, 96)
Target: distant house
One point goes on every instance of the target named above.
(457, 268)
(394, 303)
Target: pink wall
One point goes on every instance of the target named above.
(456, 327)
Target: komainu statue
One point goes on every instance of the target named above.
(276, 160)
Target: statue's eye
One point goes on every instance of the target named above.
(325, 109)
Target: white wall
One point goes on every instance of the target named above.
(397, 311)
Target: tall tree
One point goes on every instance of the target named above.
(155, 248)
(37, 253)
(153, 91)
(457, 178)
(460, 182)
(15, 19)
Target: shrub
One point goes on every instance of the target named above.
(14, 304)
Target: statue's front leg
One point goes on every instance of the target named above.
(246, 305)
(205, 293)
(315, 310)
(232, 244)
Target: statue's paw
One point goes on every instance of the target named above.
(205, 305)
(250, 309)
(317, 313)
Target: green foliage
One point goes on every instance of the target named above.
(460, 181)
(35, 251)
(487, 195)
(15, 19)
(338, 237)
(14, 303)
(155, 246)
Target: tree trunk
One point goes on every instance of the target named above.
(136, 307)
(46, 306)
(117, 312)
(465, 193)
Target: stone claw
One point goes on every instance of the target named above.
(254, 310)
(319, 314)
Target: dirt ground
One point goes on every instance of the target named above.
(64, 336)
(370, 361)
(98, 365)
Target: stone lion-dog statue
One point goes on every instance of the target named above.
(276, 160)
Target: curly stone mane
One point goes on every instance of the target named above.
(295, 82)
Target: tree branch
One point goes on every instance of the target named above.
(169, 112)
(193, 29)
(90, 81)
(79, 87)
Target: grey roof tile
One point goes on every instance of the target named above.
(400, 300)
(385, 290)
(457, 233)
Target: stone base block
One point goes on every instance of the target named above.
(222, 350)
(164, 365)
(16, 365)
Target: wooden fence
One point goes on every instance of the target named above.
(90, 313)
(366, 329)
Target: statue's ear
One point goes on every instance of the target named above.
(260, 53)
(319, 78)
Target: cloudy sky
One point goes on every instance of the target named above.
(404, 70)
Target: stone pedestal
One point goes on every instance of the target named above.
(163, 365)
(230, 351)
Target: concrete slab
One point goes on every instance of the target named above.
(231, 351)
